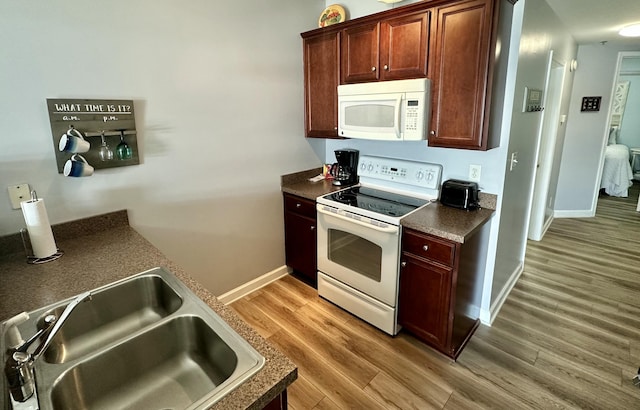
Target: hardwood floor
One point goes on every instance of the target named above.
(568, 336)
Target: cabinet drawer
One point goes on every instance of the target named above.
(428, 247)
(300, 206)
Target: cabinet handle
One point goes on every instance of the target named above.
(432, 132)
(298, 205)
(373, 69)
(313, 228)
(425, 248)
(403, 264)
(386, 67)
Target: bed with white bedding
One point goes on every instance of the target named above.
(616, 174)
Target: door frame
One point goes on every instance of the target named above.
(548, 132)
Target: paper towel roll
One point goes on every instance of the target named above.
(40, 234)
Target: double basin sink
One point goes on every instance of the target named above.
(144, 342)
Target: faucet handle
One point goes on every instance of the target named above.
(13, 337)
(20, 376)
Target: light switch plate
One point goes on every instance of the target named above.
(18, 193)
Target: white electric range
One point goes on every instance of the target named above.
(359, 235)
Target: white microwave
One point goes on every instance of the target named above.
(385, 110)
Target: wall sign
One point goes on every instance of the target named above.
(108, 125)
(590, 104)
(532, 100)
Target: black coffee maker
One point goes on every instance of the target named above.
(345, 171)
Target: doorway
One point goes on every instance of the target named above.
(623, 131)
(541, 214)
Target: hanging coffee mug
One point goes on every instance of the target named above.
(77, 166)
(72, 141)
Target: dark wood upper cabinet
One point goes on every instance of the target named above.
(452, 42)
(392, 49)
(321, 79)
(360, 52)
(404, 47)
(461, 75)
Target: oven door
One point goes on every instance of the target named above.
(358, 253)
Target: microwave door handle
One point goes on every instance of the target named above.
(389, 229)
(398, 112)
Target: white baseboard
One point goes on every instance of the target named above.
(546, 226)
(257, 283)
(574, 214)
(487, 317)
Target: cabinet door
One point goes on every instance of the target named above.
(460, 75)
(300, 244)
(404, 47)
(359, 48)
(423, 301)
(321, 79)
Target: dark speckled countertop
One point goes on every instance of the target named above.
(435, 219)
(104, 249)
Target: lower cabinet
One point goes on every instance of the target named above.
(424, 299)
(279, 403)
(300, 236)
(441, 289)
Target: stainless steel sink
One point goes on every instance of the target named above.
(143, 342)
(139, 302)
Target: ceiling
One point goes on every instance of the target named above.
(594, 21)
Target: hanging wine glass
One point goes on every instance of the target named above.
(123, 149)
(105, 151)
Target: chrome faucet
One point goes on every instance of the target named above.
(19, 365)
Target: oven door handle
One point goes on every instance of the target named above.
(389, 229)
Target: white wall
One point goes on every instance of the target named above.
(578, 181)
(542, 32)
(630, 127)
(359, 8)
(218, 93)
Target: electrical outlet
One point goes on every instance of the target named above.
(18, 193)
(474, 172)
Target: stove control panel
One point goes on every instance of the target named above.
(380, 170)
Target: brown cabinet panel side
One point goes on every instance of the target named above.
(321, 79)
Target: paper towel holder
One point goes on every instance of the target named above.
(31, 259)
(28, 249)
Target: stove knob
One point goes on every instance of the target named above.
(370, 167)
(419, 175)
(430, 176)
(363, 166)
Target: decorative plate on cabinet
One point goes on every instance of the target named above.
(332, 15)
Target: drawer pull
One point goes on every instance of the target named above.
(298, 205)
(425, 248)
(313, 228)
(403, 264)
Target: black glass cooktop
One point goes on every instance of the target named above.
(379, 201)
